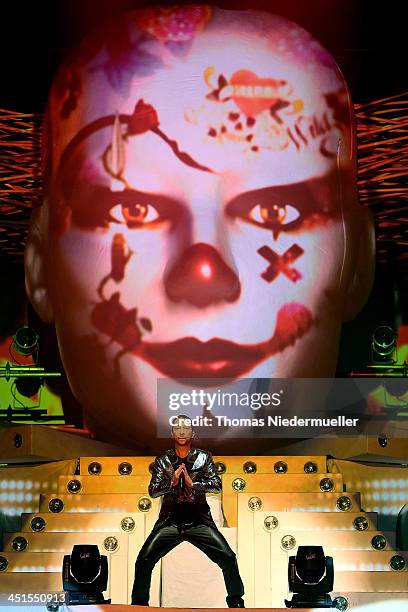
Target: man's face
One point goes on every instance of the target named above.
(182, 431)
(197, 218)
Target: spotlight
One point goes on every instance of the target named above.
(37, 523)
(19, 543)
(255, 503)
(125, 468)
(238, 484)
(85, 575)
(74, 486)
(29, 386)
(326, 485)
(383, 345)
(311, 578)
(25, 341)
(249, 467)
(378, 542)
(94, 468)
(310, 468)
(144, 504)
(220, 467)
(280, 467)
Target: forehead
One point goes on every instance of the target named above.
(208, 97)
(182, 422)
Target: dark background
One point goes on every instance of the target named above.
(365, 38)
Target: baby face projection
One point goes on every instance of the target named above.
(201, 183)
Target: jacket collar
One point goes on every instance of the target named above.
(190, 458)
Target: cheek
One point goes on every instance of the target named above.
(297, 266)
(89, 257)
(79, 261)
(322, 263)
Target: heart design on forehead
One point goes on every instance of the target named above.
(254, 94)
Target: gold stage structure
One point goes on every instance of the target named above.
(269, 506)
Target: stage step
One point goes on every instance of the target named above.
(111, 466)
(101, 502)
(281, 522)
(102, 520)
(31, 561)
(335, 540)
(365, 560)
(295, 502)
(114, 466)
(63, 541)
(281, 483)
(95, 484)
(81, 521)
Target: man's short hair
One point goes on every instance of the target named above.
(184, 417)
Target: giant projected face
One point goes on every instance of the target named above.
(201, 216)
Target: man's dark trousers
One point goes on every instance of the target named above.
(206, 538)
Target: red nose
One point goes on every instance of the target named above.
(201, 277)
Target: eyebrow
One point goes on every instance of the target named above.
(312, 195)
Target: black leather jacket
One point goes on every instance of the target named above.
(201, 469)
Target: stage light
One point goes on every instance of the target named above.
(3, 564)
(378, 542)
(288, 542)
(311, 578)
(397, 563)
(37, 523)
(326, 485)
(110, 544)
(19, 544)
(144, 504)
(125, 468)
(383, 345)
(340, 603)
(343, 503)
(85, 575)
(238, 484)
(397, 387)
(127, 524)
(280, 467)
(94, 468)
(255, 503)
(220, 467)
(74, 486)
(29, 386)
(271, 522)
(382, 440)
(249, 467)
(56, 505)
(310, 467)
(360, 523)
(25, 341)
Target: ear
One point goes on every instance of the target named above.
(35, 265)
(362, 275)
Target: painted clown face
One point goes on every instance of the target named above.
(200, 207)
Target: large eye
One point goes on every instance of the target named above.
(274, 216)
(134, 214)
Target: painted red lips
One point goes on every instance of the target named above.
(191, 358)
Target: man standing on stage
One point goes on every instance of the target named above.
(183, 476)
